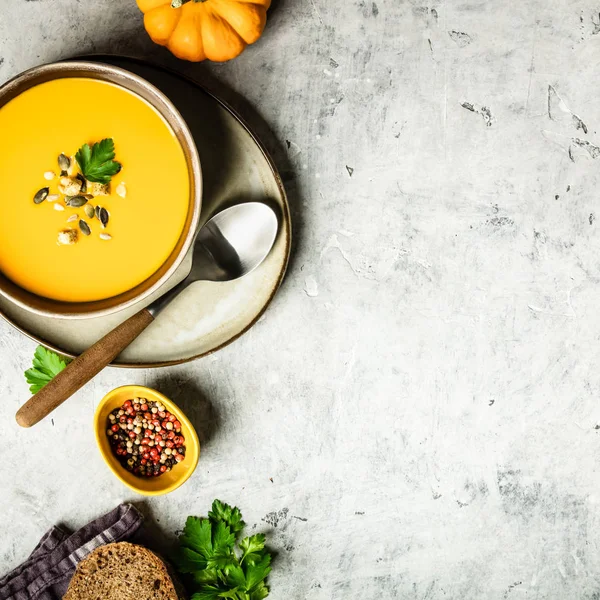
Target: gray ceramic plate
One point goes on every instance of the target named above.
(207, 316)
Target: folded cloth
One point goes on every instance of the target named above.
(45, 575)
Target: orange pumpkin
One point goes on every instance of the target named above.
(199, 29)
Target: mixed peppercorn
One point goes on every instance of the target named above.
(145, 437)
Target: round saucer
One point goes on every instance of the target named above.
(207, 316)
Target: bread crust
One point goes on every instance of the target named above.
(106, 572)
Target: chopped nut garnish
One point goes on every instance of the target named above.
(58, 207)
(121, 189)
(52, 197)
(67, 237)
(98, 189)
(49, 175)
(69, 186)
(105, 236)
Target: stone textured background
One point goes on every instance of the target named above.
(417, 416)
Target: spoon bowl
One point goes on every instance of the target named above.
(230, 245)
(237, 240)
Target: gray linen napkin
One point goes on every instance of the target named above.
(45, 575)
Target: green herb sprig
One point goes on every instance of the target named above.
(96, 163)
(46, 366)
(220, 565)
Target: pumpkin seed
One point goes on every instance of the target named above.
(72, 218)
(105, 236)
(85, 228)
(52, 197)
(58, 207)
(104, 217)
(49, 175)
(89, 211)
(81, 178)
(98, 209)
(41, 195)
(76, 201)
(64, 162)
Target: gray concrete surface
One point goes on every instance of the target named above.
(417, 416)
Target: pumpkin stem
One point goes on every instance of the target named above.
(180, 3)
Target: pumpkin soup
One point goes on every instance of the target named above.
(94, 190)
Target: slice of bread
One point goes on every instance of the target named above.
(122, 571)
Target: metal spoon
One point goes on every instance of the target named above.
(230, 245)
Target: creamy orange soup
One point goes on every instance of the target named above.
(144, 226)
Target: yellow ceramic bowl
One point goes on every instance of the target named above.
(155, 486)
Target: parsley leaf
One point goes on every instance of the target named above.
(206, 576)
(230, 516)
(220, 569)
(223, 542)
(209, 592)
(189, 561)
(46, 365)
(251, 547)
(96, 163)
(232, 594)
(259, 592)
(235, 577)
(256, 572)
(197, 535)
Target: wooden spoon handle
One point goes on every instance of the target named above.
(82, 369)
